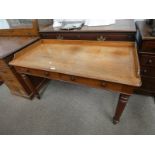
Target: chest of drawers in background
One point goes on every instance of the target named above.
(122, 30)
(146, 52)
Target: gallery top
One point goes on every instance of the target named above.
(110, 61)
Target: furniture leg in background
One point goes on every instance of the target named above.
(123, 99)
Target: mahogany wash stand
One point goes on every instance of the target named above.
(110, 65)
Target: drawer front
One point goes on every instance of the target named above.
(76, 79)
(147, 60)
(148, 45)
(90, 36)
(63, 77)
(148, 84)
(57, 76)
(148, 71)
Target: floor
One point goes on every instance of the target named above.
(74, 109)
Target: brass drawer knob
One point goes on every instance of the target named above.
(59, 37)
(101, 38)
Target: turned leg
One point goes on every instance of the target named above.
(123, 99)
(30, 85)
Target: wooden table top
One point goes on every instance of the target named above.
(9, 45)
(123, 25)
(109, 61)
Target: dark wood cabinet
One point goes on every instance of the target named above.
(146, 52)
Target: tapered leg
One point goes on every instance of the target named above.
(30, 85)
(123, 99)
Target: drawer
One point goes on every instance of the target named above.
(148, 71)
(90, 36)
(76, 79)
(148, 83)
(148, 45)
(63, 77)
(147, 60)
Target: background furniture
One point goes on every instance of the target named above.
(20, 29)
(146, 51)
(20, 34)
(15, 83)
(122, 30)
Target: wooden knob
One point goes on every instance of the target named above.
(101, 38)
(150, 61)
(73, 78)
(145, 71)
(103, 83)
(46, 73)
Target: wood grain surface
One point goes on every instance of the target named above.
(9, 45)
(109, 61)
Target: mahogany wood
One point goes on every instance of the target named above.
(146, 51)
(90, 59)
(30, 85)
(123, 99)
(1, 81)
(12, 79)
(122, 30)
(84, 62)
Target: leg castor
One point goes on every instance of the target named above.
(115, 121)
